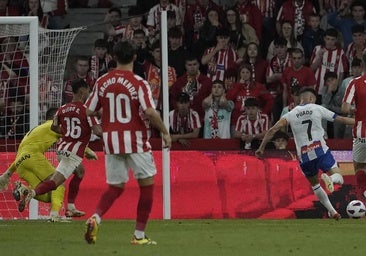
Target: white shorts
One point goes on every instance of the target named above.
(67, 163)
(359, 150)
(117, 166)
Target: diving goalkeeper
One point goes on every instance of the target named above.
(33, 167)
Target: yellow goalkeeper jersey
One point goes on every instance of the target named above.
(39, 139)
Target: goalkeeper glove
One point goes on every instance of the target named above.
(4, 180)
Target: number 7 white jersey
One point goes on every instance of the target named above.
(306, 125)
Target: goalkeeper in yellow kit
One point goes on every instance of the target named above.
(33, 167)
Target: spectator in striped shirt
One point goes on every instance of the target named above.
(358, 45)
(153, 19)
(184, 122)
(220, 57)
(329, 57)
(276, 66)
(252, 126)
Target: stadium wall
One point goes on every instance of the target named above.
(228, 183)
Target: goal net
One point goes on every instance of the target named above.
(31, 81)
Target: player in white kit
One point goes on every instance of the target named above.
(312, 150)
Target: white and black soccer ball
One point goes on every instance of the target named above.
(356, 209)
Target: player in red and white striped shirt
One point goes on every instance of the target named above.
(253, 125)
(75, 127)
(128, 110)
(356, 94)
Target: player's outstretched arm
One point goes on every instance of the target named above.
(269, 135)
(5, 177)
(345, 120)
(347, 109)
(156, 121)
(97, 130)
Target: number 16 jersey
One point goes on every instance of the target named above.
(306, 125)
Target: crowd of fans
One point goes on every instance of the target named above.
(233, 71)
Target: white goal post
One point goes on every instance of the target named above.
(45, 53)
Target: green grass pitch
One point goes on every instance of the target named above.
(311, 237)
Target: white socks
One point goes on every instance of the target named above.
(323, 198)
(71, 207)
(54, 213)
(139, 234)
(97, 218)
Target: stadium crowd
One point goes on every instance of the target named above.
(233, 70)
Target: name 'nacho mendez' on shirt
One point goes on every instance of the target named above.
(127, 84)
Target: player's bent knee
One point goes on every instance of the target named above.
(146, 181)
(80, 171)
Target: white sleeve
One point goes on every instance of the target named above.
(327, 114)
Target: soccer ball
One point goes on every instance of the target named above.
(356, 209)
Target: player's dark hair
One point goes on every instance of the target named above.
(77, 84)
(124, 52)
(50, 113)
(308, 89)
